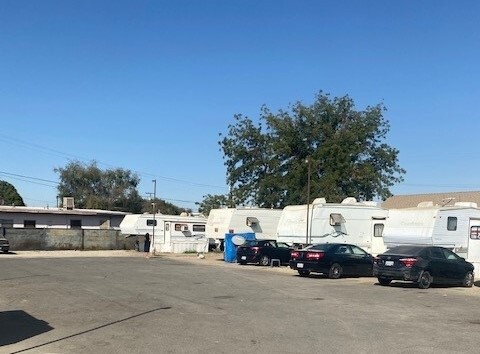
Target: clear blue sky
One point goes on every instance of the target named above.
(148, 85)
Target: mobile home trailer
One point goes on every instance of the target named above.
(263, 222)
(456, 227)
(359, 223)
(171, 233)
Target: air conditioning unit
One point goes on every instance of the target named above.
(68, 203)
(184, 228)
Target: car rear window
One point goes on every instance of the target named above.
(320, 247)
(405, 250)
(250, 243)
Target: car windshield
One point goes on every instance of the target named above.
(250, 243)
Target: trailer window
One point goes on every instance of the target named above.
(151, 222)
(200, 228)
(378, 230)
(475, 232)
(452, 223)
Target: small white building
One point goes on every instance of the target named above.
(168, 233)
(59, 218)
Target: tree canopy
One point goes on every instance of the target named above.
(212, 202)
(93, 188)
(344, 149)
(9, 195)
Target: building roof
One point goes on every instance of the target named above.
(442, 199)
(61, 211)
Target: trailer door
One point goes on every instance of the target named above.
(473, 253)
(377, 245)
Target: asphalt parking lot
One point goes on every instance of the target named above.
(125, 303)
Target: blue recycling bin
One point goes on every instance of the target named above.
(230, 250)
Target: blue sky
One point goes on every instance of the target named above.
(149, 85)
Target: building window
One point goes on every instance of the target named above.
(76, 224)
(151, 222)
(29, 224)
(200, 228)
(452, 223)
(378, 230)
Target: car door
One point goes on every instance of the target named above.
(363, 261)
(437, 265)
(343, 255)
(455, 266)
(283, 252)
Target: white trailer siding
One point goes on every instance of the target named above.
(262, 222)
(346, 222)
(172, 233)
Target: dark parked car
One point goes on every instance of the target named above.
(332, 259)
(263, 251)
(423, 265)
(4, 244)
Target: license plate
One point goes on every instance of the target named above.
(244, 258)
(389, 263)
(299, 265)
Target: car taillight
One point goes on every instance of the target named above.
(295, 254)
(314, 255)
(255, 249)
(408, 262)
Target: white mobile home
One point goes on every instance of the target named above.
(455, 227)
(263, 222)
(168, 233)
(359, 223)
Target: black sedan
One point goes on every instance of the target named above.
(332, 259)
(423, 265)
(262, 252)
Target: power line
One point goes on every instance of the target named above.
(71, 157)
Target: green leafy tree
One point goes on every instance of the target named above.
(210, 202)
(161, 206)
(344, 149)
(93, 188)
(9, 195)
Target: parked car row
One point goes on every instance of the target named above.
(422, 265)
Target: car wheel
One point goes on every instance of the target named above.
(468, 280)
(335, 271)
(303, 273)
(425, 280)
(384, 281)
(264, 260)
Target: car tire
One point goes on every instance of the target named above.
(384, 281)
(425, 280)
(264, 260)
(335, 271)
(242, 263)
(303, 273)
(468, 280)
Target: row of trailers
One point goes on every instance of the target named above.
(365, 224)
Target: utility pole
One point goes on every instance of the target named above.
(153, 212)
(308, 199)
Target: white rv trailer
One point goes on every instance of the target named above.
(456, 227)
(358, 223)
(171, 233)
(261, 221)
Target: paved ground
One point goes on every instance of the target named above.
(121, 302)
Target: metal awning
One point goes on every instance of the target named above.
(252, 220)
(336, 219)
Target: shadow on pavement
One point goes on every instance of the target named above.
(16, 326)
